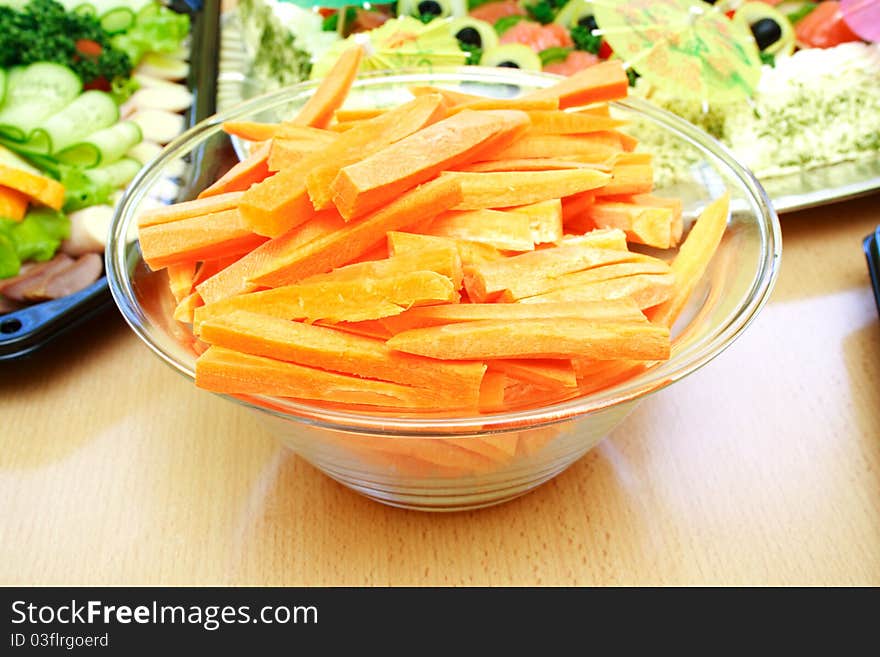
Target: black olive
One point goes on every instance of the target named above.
(766, 32)
(588, 22)
(470, 36)
(509, 64)
(430, 7)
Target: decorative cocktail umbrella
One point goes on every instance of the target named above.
(399, 43)
(686, 47)
(863, 17)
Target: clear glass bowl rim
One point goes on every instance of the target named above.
(641, 385)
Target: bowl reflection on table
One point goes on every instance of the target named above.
(449, 463)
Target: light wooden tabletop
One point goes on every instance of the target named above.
(762, 468)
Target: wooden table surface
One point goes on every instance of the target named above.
(762, 468)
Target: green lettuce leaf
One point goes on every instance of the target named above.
(157, 29)
(36, 237)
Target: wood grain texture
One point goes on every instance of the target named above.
(762, 468)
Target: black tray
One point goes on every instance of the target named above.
(871, 246)
(24, 331)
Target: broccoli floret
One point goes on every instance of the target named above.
(584, 39)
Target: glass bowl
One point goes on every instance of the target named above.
(444, 464)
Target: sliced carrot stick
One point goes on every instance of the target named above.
(375, 180)
(571, 123)
(330, 349)
(367, 138)
(536, 338)
(250, 130)
(574, 208)
(13, 204)
(492, 392)
(188, 209)
(601, 82)
(637, 266)
(629, 179)
(595, 147)
(524, 104)
(304, 133)
(368, 328)
(620, 310)
(643, 224)
(197, 238)
(332, 91)
(598, 238)
(528, 273)
(231, 372)
(339, 301)
(451, 96)
(233, 279)
(180, 279)
(693, 258)
(240, 177)
(547, 373)
(286, 153)
(508, 231)
(290, 197)
(499, 449)
(355, 238)
(185, 308)
(646, 290)
(545, 220)
(496, 190)
(441, 258)
(42, 189)
(529, 164)
(351, 115)
(400, 243)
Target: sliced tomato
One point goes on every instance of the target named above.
(605, 50)
(823, 27)
(100, 83)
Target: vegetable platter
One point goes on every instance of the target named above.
(89, 93)
(809, 131)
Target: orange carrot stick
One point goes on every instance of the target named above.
(339, 301)
(549, 373)
(529, 164)
(693, 258)
(180, 279)
(536, 338)
(646, 290)
(231, 372)
(375, 180)
(601, 82)
(595, 147)
(342, 246)
(571, 123)
(620, 310)
(528, 273)
(253, 169)
(545, 220)
(197, 238)
(496, 190)
(629, 179)
(330, 349)
(509, 231)
(189, 209)
(643, 224)
(290, 197)
(400, 243)
(332, 91)
(250, 130)
(233, 279)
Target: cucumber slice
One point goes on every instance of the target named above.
(118, 20)
(115, 175)
(91, 111)
(34, 93)
(159, 126)
(102, 147)
(12, 160)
